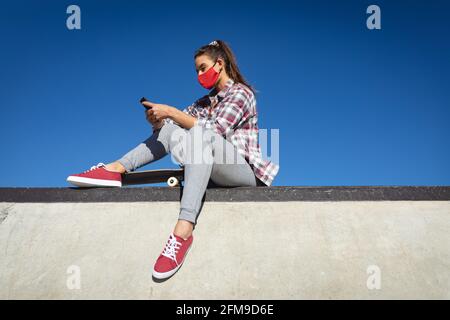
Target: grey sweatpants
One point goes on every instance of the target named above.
(204, 154)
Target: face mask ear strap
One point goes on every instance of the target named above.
(215, 64)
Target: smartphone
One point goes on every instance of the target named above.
(142, 100)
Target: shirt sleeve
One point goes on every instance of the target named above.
(231, 112)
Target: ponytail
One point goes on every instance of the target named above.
(220, 49)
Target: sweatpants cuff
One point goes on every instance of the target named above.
(188, 215)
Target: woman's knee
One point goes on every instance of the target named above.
(233, 175)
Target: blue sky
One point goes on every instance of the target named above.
(353, 106)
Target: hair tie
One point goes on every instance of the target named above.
(213, 43)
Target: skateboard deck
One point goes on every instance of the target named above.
(172, 177)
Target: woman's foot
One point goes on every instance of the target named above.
(115, 167)
(96, 176)
(172, 257)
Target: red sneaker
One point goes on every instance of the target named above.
(172, 257)
(96, 176)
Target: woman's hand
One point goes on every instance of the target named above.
(157, 112)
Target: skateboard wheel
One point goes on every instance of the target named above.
(172, 182)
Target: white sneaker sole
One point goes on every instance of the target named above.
(164, 275)
(89, 182)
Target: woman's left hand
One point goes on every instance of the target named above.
(158, 111)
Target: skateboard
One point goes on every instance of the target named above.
(173, 177)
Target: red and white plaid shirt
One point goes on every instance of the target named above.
(232, 113)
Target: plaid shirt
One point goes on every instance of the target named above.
(232, 113)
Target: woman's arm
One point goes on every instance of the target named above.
(183, 119)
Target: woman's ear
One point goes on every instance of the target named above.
(221, 62)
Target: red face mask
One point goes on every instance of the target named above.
(209, 78)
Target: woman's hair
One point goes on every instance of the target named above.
(219, 49)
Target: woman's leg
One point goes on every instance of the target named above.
(204, 155)
(152, 149)
(213, 158)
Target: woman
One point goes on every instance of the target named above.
(228, 153)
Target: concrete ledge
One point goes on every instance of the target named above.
(249, 243)
(241, 194)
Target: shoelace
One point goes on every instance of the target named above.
(95, 167)
(171, 248)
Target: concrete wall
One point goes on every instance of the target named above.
(241, 250)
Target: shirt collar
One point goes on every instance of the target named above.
(221, 94)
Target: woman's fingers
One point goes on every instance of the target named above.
(154, 114)
(150, 116)
(150, 113)
(148, 104)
